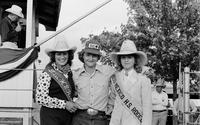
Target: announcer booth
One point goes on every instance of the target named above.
(17, 104)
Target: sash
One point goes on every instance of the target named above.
(126, 100)
(61, 80)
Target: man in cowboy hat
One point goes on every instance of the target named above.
(92, 83)
(10, 27)
(159, 103)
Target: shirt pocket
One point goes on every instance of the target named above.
(101, 83)
(82, 85)
(100, 87)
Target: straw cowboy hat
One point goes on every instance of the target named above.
(15, 10)
(60, 45)
(93, 47)
(160, 82)
(128, 47)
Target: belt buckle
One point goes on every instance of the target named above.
(92, 112)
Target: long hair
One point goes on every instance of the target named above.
(69, 62)
(137, 67)
(70, 57)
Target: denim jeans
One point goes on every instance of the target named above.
(83, 118)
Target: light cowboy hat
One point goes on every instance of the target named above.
(15, 10)
(160, 82)
(128, 47)
(60, 45)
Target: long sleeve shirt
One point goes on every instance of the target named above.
(93, 90)
(49, 93)
(7, 31)
(139, 88)
(159, 100)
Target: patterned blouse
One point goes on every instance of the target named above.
(42, 91)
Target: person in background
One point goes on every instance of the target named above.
(10, 27)
(92, 84)
(56, 89)
(133, 104)
(159, 103)
(178, 107)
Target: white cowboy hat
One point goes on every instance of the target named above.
(15, 10)
(160, 82)
(60, 45)
(128, 47)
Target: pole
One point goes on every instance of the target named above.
(72, 23)
(186, 95)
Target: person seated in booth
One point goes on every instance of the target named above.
(10, 27)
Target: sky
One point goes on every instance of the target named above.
(109, 17)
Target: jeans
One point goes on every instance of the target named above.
(83, 118)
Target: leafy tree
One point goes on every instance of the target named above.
(109, 41)
(167, 30)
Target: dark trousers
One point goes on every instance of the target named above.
(83, 118)
(50, 116)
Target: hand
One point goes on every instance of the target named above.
(71, 106)
(18, 28)
(109, 109)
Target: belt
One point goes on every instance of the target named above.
(159, 110)
(91, 111)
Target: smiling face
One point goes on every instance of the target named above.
(61, 58)
(90, 59)
(127, 61)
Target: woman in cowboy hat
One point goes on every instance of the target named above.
(55, 89)
(132, 89)
(10, 27)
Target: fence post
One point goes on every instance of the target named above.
(186, 95)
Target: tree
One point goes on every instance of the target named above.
(168, 30)
(109, 41)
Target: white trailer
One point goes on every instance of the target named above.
(17, 105)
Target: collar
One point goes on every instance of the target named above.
(97, 68)
(64, 71)
(160, 92)
(55, 66)
(132, 71)
(8, 19)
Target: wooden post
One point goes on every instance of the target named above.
(186, 96)
(30, 23)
